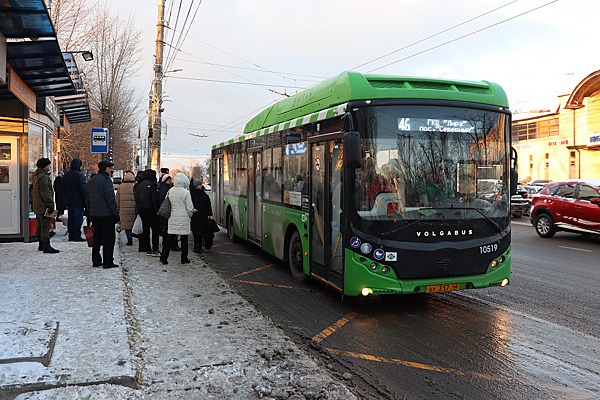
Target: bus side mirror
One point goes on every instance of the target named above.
(514, 175)
(352, 151)
(514, 180)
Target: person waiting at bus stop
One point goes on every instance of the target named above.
(75, 194)
(201, 202)
(146, 199)
(178, 223)
(43, 204)
(104, 214)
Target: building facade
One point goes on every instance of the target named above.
(33, 73)
(564, 144)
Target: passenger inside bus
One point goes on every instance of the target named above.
(271, 188)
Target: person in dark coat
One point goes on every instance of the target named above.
(104, 214)
(43, 204)
(201, 202)
(146, 200)
(139, 177)
(75, 189)
(59, 194)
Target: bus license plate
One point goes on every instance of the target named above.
(442, 288)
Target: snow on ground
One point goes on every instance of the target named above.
(177, 331)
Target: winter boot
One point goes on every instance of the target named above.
(40, 245)
(48, 248)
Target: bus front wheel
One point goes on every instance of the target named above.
(295, 258)
(230, 232)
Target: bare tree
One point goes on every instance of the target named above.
(113, 100)
(116, 45)
(71, 21)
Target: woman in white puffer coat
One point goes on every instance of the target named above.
(179, 221)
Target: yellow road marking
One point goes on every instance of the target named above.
(412, 364)
(325, 281)
(331, 329)
(266, 284)
(221, 244)
(230, 254)
(251, 271)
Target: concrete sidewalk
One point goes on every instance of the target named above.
(68, 330)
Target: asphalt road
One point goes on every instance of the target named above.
(537, 338)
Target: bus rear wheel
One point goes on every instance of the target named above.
(295, 260)
(230, 232)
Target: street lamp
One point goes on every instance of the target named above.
(86, 54)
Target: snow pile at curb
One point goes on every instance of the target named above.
(190, 336)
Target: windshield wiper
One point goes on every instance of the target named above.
(396, 230)
(488, 219)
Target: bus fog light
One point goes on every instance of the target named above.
(495, 263)
(504, 282)
(373, 266)
(385, 270)
(366, 291)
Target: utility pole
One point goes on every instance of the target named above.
(155, 134)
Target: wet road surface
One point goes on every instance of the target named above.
(538, 338)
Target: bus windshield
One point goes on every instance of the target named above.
(424, 162)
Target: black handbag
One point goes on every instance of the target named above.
(165, 208)
(213, 227)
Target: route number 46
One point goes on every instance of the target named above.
(404, 124)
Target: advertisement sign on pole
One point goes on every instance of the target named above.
(99, 140)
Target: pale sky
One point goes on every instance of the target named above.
(542, 50)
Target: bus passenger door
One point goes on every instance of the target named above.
(219, 200)
(326, 189)
(254, 197)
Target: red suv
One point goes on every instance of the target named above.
(572, 206)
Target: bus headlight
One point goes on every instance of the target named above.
(504, 282)
(495, 263)
(366, 291)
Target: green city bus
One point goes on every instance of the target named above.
(375, 184)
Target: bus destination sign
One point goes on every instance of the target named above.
(435, 125)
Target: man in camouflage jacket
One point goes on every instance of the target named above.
(42, 203)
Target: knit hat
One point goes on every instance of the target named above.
(43, 163)
(165, 178)
(197, 182)
(102, 165)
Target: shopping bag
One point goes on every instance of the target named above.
(137, 228)
(88, 231)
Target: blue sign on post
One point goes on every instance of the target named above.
(99, 140)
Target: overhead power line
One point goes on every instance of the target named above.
(434, 35)
(264, 85)
(464, 36)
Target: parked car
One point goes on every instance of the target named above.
(489, 189)
(520, 203)
(536, 185)
(572, 206)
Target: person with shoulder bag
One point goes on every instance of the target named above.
(178, 223)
